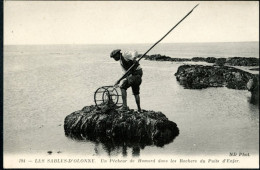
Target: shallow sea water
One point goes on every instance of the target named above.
(43, 84)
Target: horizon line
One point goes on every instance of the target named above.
(136, 43)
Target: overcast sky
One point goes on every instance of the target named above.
(94, 22)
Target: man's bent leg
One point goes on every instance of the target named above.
(137, 100)
(125, 85)
(124, 95)
(136, 92)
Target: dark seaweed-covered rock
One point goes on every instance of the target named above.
(202, 59)
(220, 61)
(243, 61)
(158, 57)
(199, 76)
(113, 127)
(232, 61)
(198, 59)
(180, 59)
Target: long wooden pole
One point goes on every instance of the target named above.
(127, 72)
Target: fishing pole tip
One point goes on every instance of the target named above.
(196, 6)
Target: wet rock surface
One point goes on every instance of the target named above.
(120, 128)
(199, 76)
(232, 61)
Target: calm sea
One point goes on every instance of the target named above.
(43, 84)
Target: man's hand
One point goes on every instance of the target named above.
(135, 61)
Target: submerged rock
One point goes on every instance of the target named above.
(113, 127)
(199, 76)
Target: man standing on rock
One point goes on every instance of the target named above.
(133, 79)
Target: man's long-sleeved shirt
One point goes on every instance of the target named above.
(127, 60)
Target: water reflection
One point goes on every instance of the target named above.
(117, 146)
(124, 149)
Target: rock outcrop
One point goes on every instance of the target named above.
(113, 127)
(208, 59)
(158, 57)
(232, 61)
(199, 76)
(242, 61)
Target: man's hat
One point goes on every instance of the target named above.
(114, 52)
